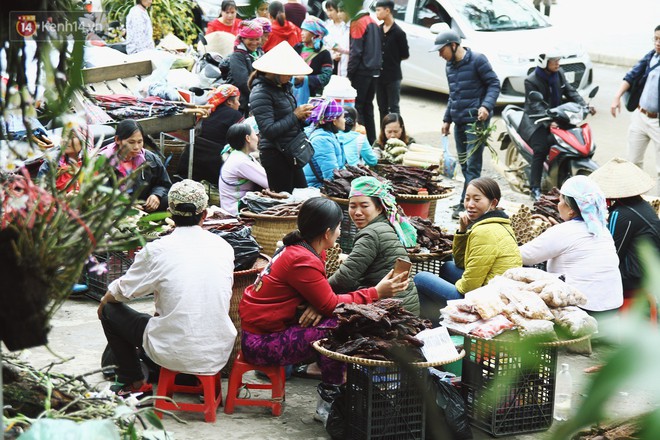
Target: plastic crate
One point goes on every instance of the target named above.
(117, 263)
(502, 396)
(385, 402)
(429, 265)
(348, 231)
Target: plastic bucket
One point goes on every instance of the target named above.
(343, 100)
(412, 208)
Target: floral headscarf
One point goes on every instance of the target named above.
(317, 28)
(325, 110)
(250, 29)
(223, 93)
(265, 23)
(371, 187)
(591, 201)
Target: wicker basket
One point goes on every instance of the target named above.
(174, 148)
(242, 279)
(269, 229)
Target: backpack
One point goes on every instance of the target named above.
(225, 69)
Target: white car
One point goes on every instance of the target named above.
(511, 33)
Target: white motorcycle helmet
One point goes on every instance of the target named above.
(543, 58)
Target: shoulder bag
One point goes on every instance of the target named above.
(634, 93)
(299, 150)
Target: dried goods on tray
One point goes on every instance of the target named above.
(546, 206)
(284, 210)
(380, 331)
(430, 237)
(409, 180)
(340, 185)
(128, 106)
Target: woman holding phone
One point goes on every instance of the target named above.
(484, 246)
(383, 235)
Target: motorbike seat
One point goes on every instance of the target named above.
(513, 115)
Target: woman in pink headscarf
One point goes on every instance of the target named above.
(246, 51)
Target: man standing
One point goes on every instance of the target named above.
(473, 91)
(190, 273)
(364, 61)
(549, 80)
(394, 50)
(644, 122)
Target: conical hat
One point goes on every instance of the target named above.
(619, 179)
(282, 60)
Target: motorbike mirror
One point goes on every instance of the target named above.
(202, 38)
(196, 90)
(593, 92)
(535, 96)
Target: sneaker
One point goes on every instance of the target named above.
(457, 211)
(535, 194)
(126, 391)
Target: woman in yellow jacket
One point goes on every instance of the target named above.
(484, 246)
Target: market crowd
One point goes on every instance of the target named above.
(282, 60)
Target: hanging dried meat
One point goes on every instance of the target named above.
(381, 331)
(430, 237)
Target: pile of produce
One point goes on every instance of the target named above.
(259, 201)
(430, 237)
(340, 185)
(284, 210)
(410, 180)
(546, 207)
(150, 226)
(422, 156)
(394, 151)
(527, 226)
(380, 331)
(529, 299)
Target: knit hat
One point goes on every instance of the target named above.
(222, 94)
(187, 192)
(265, 23)
(619, 179)
(371, 187)
(250, 29)
(282, 60)
(325, 110)
(591, 201)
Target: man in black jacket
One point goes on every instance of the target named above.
(364, 63)
(395, 49)
(549, 80)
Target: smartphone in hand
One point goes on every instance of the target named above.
(401, 266)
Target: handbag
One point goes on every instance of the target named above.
(448, 162)
(299, 150)
(634, 93)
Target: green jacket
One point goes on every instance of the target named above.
(485, 250)
(375, 250)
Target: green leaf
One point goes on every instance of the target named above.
(154, 419)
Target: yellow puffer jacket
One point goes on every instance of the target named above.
(485, 250)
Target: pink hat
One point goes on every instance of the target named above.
(250, 29)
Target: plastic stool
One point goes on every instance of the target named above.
(277, 377)
(210, 387)
(653, 308)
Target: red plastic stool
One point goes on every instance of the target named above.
(277, 377)
(653, 308)
(210, 387)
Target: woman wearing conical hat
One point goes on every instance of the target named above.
(279, 120)
(632, 219)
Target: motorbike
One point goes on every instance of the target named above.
(571, 154)
(208, 67)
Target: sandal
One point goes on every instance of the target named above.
(301, 371)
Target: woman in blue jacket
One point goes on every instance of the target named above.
(356, 146)
(326, 120)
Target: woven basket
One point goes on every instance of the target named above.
(420, 197)
(242, 279)
(175, 148)
(269, 229)
(370, 362)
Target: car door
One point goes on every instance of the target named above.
(424, 69)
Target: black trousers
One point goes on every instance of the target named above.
(124, 330)
(540, 141)
(282, 174)
(364, 103)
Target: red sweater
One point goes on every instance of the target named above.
(289, 33)
(216, 25)
(295, 276)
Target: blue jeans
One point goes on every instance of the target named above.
(471, 168)
(434, 291)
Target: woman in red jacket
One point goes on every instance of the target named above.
(291, 303)
(283, 30)
(227, 22)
